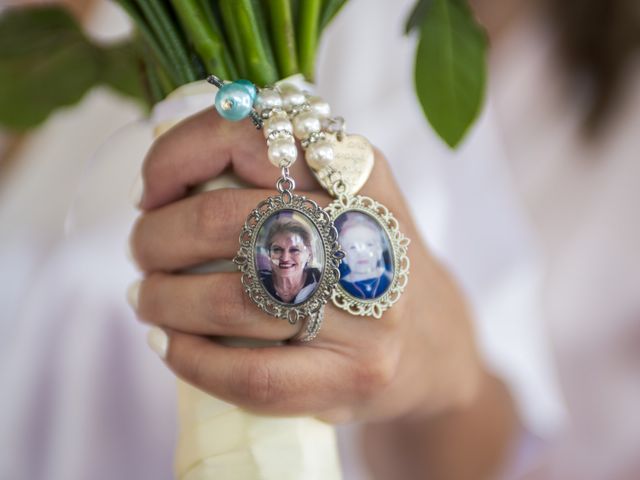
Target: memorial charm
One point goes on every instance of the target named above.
(289, 254)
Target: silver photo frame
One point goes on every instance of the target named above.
(387, 254)
(325, 238)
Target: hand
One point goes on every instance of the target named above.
(417, 360)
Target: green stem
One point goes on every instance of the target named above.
(308, 36)
(263, 29)
(168, 37)
(233, 35)
(205, 41)
(153, 82)
(283, 35)
(259, 58)
(213, 19)
(165, 82)
(149, 39)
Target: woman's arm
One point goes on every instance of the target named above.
(470, 442)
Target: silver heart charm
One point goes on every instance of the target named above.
(352, 164)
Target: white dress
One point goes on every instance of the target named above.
(542, 243)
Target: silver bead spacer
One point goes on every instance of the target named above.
(277, 121)
(279, 134)
(314, 137)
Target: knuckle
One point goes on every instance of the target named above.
(215, 213)
(204, 220)
(375, 373)
(221, 305)
(258, 388)
(192, 367)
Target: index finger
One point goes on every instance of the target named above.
(202, 147)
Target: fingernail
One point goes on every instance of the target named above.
(158, 340)
(136, 191)
(133, 292)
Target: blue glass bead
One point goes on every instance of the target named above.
(233, 102)
(253, 91)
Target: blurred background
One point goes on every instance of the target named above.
(536, 214)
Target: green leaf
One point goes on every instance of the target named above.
(417, 15)
(329, 10)
(450, 71)
(45, 62)
(122, 70)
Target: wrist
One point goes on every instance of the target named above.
(480, 427)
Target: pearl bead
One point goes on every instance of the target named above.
(304, 124)
(277, 122)
(291, 96)
(319, 154)
(319, 107)
(251, 88)
(282, 152)
(267, 99)
(233, 102)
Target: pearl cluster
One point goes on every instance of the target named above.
(310, 116)
(277, 128)
(286, 113)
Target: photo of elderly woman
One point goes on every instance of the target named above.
(366, 270)
(289, 257)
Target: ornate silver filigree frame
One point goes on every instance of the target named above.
(399, 246)
(311, 309)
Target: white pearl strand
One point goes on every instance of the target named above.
(277, 128)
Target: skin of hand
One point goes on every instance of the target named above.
(417, 361)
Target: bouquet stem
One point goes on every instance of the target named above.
(169, 38)
(284, 37)
(308, 36)
(207, 43)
